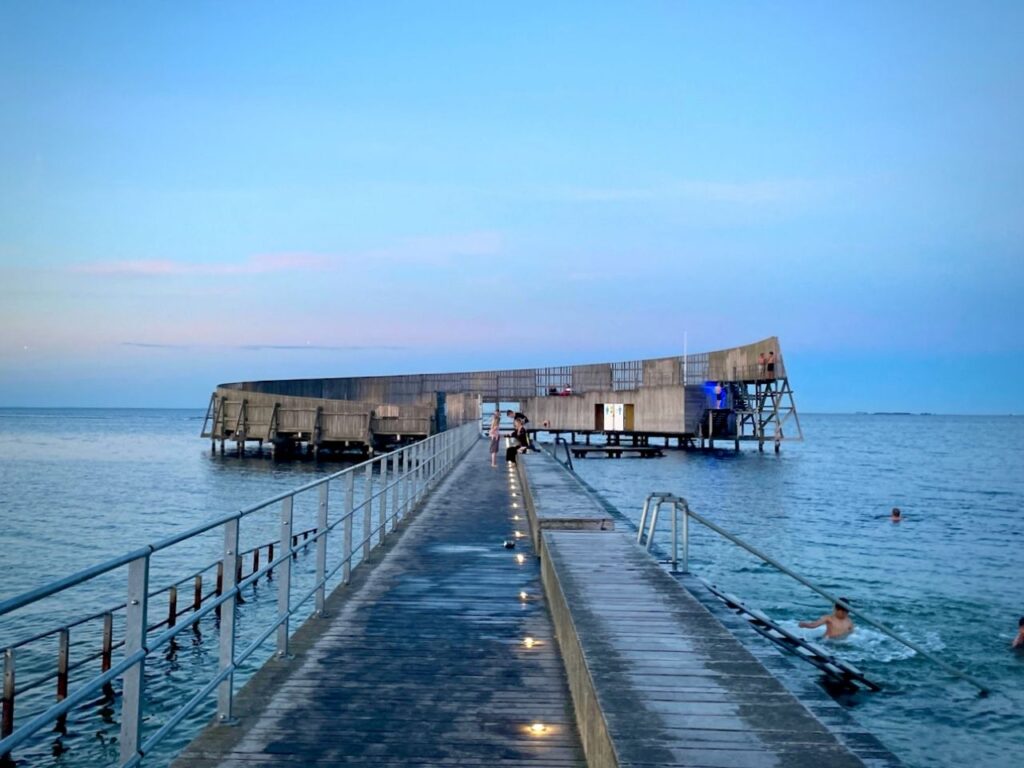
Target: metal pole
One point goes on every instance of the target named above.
(225, 690)
(134, 680)
(383, 513)
(686, 535)
(367, 509)
(643, 520)
(284, 580)
(396, 481)
(675, 536)
(321, 552)
(346, 546)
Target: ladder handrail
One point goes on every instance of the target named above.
(680, 503)
(568, 456)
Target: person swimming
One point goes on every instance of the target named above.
(1018, 641)
(837, 624)
(896, 515)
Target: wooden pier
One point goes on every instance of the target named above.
(617, 451)
(478, 638)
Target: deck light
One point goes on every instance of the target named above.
(519, 534)
(523, 596)
(538, 729)
(529, 642)
(515, 505)
(515, 517)
(520, 559)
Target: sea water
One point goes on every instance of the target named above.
(948, 577)
(81, 486)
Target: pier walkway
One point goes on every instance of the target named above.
(421, 660)
(424, 659)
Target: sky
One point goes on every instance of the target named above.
(194, 193)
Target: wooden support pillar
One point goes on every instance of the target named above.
(197, 593)
(7, 720)
(106, 655)
(172, 606)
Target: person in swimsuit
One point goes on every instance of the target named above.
(770, 364)
(1018, 641)
(837, 624)
(896, 515)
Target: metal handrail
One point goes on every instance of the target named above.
(680, 504)
(416, 468)
(568, 456)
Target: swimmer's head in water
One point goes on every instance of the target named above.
(840, 610)
(1020, 623)
(896, 512)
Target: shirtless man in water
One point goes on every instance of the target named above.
(1018, 641)
(837, 624)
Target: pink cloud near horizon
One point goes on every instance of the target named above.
(254, 265)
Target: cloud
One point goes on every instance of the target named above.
(741, 192)
(428, 251)
(153, 345)
(320, 347)
(308, 347)
(254, 265)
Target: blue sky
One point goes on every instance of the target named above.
(193, 193)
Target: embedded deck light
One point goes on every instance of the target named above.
(529, 642)
(523, 596)
(538, 729)
(520, 559)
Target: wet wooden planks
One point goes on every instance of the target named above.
(423, 661)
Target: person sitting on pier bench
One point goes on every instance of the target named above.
(837, 624)
(519, 441)
(1018, 641)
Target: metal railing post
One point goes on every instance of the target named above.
(321, 551)
(643, 520)
(396, 480)
(403, 483)
(284, 577)
(346, 545)
(383, 510)
(686, 535)
(675, 536)
(367, 510)
(134, 640)
(226, 689)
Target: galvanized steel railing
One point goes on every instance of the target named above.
(653, 504)
(414, 469)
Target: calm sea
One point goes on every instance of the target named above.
(80, 486)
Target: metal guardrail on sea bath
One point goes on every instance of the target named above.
(653, 504)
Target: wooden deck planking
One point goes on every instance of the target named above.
(669, 683)
(422, 661)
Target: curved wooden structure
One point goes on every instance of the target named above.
(725, 394)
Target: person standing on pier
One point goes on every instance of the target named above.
(762, 363)
(770, 364)
(494, 433)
